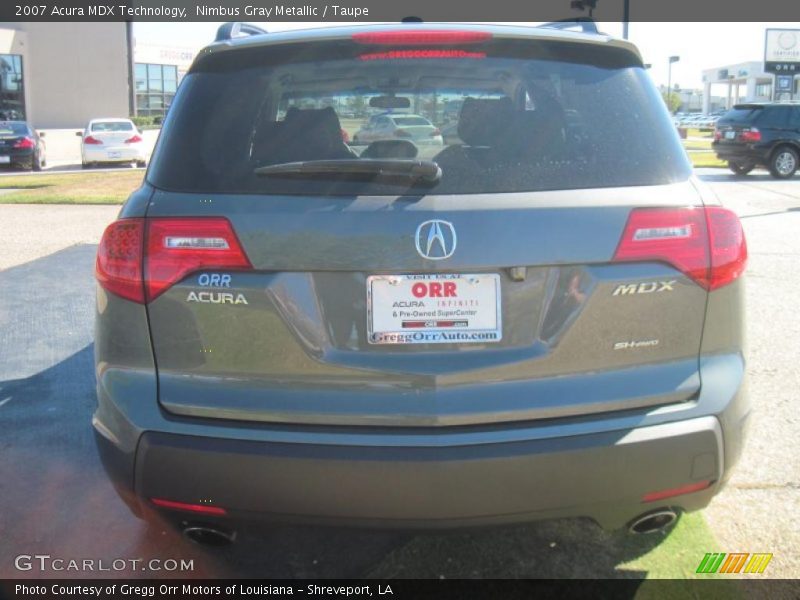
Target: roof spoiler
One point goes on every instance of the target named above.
(236, 29)
(585, 24)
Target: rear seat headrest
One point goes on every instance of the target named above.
(314, 122)
(485, 122)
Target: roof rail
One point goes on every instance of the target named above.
(585, 24)
(235, 29)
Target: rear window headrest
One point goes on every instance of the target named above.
(484, 122)
(314, 121)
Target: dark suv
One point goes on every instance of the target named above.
(541, 317)
(766, 135)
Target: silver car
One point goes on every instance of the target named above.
(542, 320)
(413, 128)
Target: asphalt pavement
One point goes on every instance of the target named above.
(56, 500)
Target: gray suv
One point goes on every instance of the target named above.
(541, 318)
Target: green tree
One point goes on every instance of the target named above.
(672, 100)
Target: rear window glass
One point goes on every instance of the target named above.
(112, 126)
(15, 129)
(742, 115)
(506, 117)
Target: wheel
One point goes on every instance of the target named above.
(741, 168)
(141, 164)
(86, 165)
(784, 162)
(37, 163)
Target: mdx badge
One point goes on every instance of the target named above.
(435, 239)
(648, 287)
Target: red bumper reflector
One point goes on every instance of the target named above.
(678, 491)
(445, 37)
(195, 508)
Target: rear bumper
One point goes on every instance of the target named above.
(742, 153)
(601, 476)
(17, 158)
(110, 154)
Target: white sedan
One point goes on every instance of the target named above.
(112, 141)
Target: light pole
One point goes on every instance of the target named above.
(626, 17)
(672, 59)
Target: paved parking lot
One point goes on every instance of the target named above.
(57, 501)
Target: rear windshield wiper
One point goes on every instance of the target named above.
(418, 171)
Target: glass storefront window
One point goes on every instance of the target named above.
(12, 88)
(155, 88)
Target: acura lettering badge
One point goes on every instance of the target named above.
(435, 239)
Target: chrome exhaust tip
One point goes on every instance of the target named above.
(653, 522)
(209, 535)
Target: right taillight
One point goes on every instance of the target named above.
(139, 259)
(706, 244)
(750, 135)
(728, 246)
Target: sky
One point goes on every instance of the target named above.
(699, 45)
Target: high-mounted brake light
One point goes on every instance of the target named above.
(91, 140)
(404, 37)
(706, 244)
(25, 143)
(420, 54)
(139, 259)
(135, 139)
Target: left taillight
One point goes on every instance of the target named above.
(176, 247)
(118, 267)
(25, 143)
(139, 259)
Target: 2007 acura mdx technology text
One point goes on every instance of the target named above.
(541, 318)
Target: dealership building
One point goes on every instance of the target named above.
(745, 82)
(60, 76)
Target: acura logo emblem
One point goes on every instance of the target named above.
(435, 239)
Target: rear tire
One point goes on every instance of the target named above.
(784, 162)
(141, 164)
(37, 163)
(741, 168)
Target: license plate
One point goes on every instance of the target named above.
(729, 135)
(113, 154)
(434, 309)
(4, 160)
